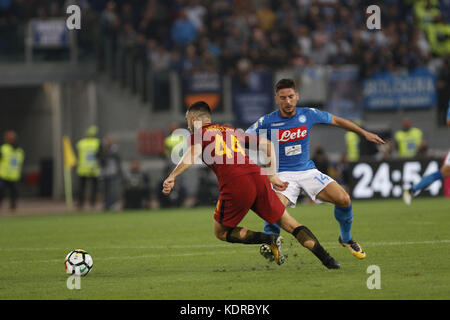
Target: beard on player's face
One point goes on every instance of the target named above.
(288, 108)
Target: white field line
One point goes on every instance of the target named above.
(194, 246)
(157, 256)
(326, 244)
(176, 246)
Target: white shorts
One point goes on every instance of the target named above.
(447, 160)
(311, 181)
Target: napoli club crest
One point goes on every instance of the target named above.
(302, 119)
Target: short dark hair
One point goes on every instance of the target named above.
(200, 107)
(284, 84)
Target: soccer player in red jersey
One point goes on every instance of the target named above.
(243, 185)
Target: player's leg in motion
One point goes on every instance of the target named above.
(233, 205)
(343, 212)
(307, 239)
(274, 228)
(264, 250)
(444, 172)
(246, 236)
(303, 235)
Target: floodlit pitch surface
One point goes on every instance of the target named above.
(173, 254)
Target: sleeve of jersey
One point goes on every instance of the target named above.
(255, 127)
(320, 116)
(448, 112)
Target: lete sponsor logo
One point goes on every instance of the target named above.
(293, 134)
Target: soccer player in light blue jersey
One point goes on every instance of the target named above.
(441, 174)
(289, 129)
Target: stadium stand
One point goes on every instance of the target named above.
(270, 34)
(146, 52)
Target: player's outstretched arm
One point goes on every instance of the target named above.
(185, 163)
(350, 126)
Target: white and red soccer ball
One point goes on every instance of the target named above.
(78, 262)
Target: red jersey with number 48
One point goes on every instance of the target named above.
(223, 150)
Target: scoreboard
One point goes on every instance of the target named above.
(387, 179)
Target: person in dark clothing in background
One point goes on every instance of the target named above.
(111, 173)
(320, 159)
(137, 189)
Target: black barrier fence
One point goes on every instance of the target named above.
(387, 179)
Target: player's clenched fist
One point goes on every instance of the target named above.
(277, 183)
(168, 185)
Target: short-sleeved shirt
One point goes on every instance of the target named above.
(291, 136)
(242, 186)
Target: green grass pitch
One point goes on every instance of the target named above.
(173, 254)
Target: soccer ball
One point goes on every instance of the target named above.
(78, 262)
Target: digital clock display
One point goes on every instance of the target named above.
(387, 179)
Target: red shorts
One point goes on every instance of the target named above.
(251, 191)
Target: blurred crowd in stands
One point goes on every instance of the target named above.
(234, 35)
